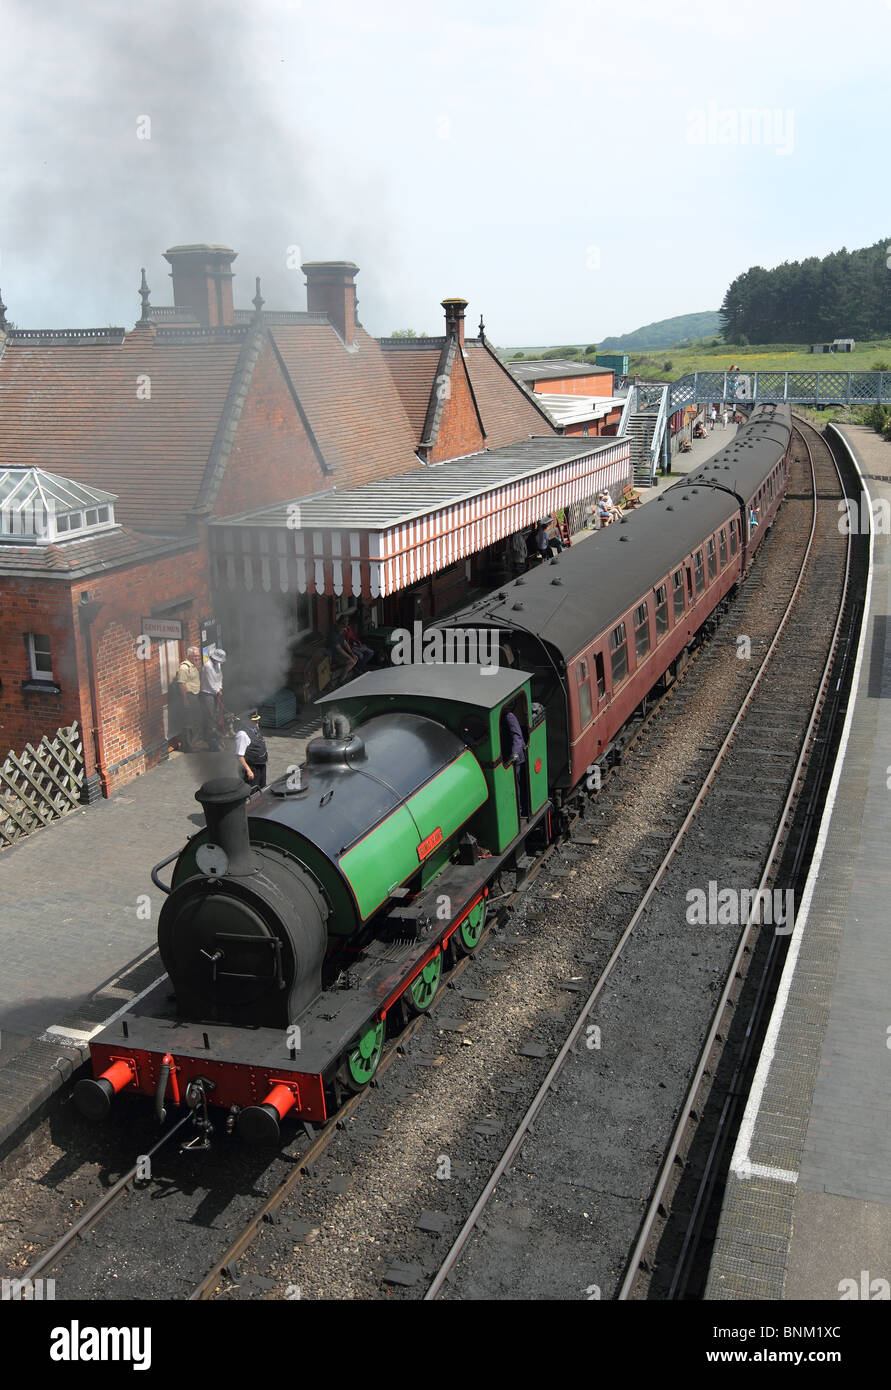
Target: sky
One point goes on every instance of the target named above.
(573, 169)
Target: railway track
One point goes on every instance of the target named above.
(743, 744)
(310, 1149)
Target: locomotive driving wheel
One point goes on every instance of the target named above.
(467, 937)
(361, 1063)
(422, 990)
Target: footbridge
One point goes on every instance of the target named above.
(650, 405)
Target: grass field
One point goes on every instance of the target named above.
(667, 364)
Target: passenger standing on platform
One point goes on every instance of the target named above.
(518, 550)
(211, 698)
(251, 751)
(188, 678)
(725, 416)
(713, 417)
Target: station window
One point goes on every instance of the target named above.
(618, 648)
(678, 583)
(40, 655)
(712, 561)
(600, 674)
(698, 573)
(722, 542)
(661, 612)
(641, 631)
(584, 693)
(733, 537)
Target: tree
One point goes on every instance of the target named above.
(403, 333)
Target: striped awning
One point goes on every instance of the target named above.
(376, 540)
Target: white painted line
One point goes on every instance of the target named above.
(77, 1036)
(740, 1164)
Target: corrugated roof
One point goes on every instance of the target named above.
(571, 410)
(392, 501)
(532, 370)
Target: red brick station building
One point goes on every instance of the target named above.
(245, 476)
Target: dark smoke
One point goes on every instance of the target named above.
(86, 203)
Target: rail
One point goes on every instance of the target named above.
(657, 1203)
(464, 1234)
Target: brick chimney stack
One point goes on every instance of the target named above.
(454, 312)
(330, 289)
(202, 282)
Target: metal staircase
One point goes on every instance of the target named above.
(641, 428)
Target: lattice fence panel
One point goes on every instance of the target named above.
(41, 784)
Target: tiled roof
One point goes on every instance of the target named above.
(351, 401)
(73, 559)
(509, 413)
(414, 364)
(83, 410)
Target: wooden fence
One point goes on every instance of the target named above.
(40, 785)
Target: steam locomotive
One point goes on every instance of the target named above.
(298, 930)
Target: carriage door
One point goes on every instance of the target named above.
(523, 788)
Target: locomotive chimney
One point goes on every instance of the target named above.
(223, 801)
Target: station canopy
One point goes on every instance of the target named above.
(377, 539)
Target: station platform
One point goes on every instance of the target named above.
(79, 912)
(807, 1206)
(79, 918)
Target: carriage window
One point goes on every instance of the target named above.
(641, 631)
(618, 647)
(661, 611)
(712, 562)
(733, 538)
(722, 541)
(584, 692)
(697, 568)
(599, 672)
(678, 594)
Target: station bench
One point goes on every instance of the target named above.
(630, 497)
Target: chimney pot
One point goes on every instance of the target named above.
(331, 290)
(202, 281)
(454, 313)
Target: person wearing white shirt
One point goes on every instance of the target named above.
(251, 752)
(211, 697)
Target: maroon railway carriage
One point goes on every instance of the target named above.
(609, 621)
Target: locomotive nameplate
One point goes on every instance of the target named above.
(427, 846)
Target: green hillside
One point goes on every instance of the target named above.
(666, 333)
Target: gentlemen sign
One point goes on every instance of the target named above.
(163, 629)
